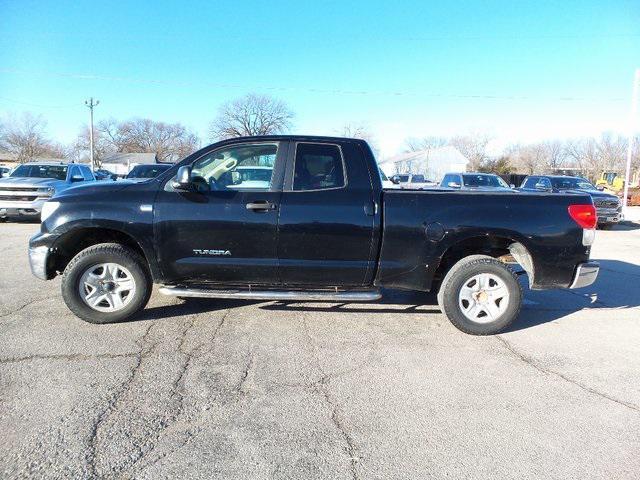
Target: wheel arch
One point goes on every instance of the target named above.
(72, 242)
(504, 246)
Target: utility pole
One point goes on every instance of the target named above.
(90, 104)
(632, 132)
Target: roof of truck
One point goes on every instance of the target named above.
(293, 138)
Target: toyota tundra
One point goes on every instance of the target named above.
(306, 218)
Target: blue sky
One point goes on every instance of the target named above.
(517, 70)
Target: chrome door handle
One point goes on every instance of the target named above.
(261, 205)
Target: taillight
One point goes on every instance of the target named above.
(584, 215)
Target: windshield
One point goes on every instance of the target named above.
(572, 183)
(147, 171)
(483, 181)
(59, 172)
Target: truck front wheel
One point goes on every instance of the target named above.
(480, 295)
(106, 283)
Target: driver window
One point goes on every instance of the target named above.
(237, 167)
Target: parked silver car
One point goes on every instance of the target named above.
(31, 184)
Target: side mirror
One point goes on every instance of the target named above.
(395, 180)
(77, 178)
(600, 187)
(183, 179)
(453, 185)
(511, 185)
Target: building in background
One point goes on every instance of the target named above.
(8, 159)
(122, 163)
(432, 163)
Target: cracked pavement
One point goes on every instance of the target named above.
(261, 390)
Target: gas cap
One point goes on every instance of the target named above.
(434, 231)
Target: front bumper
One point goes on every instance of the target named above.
(609, 215)
(11, 208)
(38, 257)
(585, 275)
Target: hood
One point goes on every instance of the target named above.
(593, 193)
(95, 187)
(137, 180)
(30, 182)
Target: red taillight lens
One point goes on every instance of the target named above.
(584, 215)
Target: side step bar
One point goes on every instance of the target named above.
(311, 295)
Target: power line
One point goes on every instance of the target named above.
(313, 90)
(336, 38)
(37, 105)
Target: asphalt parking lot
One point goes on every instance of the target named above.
(220, 389)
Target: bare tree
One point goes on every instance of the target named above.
(102, 145)
(170, 142)
(613, 151)
(554, 152)
(527, 158)
(251, 115)
(26, 138)
(499, 166)
(354, 130)
(585, 154)
(413, 144)
(473, 147)
(360, 131)
(595, 155)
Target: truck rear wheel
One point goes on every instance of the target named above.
(106, 283)
(480, 295)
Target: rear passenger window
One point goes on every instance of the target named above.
(318, 167)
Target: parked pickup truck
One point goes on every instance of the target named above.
(608, 206)
(23, 193)
(319, 227)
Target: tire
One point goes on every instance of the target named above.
(480, 309)
(97, 264)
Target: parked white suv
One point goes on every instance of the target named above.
(412, 181)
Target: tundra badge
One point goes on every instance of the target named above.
(198, 251)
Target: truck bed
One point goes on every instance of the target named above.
(451, 219)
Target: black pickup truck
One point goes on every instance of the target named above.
(306, 218)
